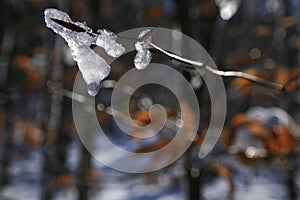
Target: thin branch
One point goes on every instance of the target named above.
(170, 124)
(239, 74)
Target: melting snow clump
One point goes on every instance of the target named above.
(79, 38)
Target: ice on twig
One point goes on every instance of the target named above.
(107, 40)
(143, 57)
(146, 38)
(93, 67)
(79, 38)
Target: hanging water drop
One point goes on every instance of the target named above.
(93, 88)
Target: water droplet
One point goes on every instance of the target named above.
(93, 88)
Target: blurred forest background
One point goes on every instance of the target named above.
(257, 157)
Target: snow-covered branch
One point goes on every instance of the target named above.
(94, 68)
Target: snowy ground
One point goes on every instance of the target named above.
(262, 181)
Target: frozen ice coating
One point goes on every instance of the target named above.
(79, 38)
(107, 40)
(93, 67)
(143, 57)
(143, 33)
(144, 40)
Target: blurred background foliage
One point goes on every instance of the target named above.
(257, 157)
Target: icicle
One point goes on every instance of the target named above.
(79, 38)
(143, 57)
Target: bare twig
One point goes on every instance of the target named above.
(210, 69)
(170, 124)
